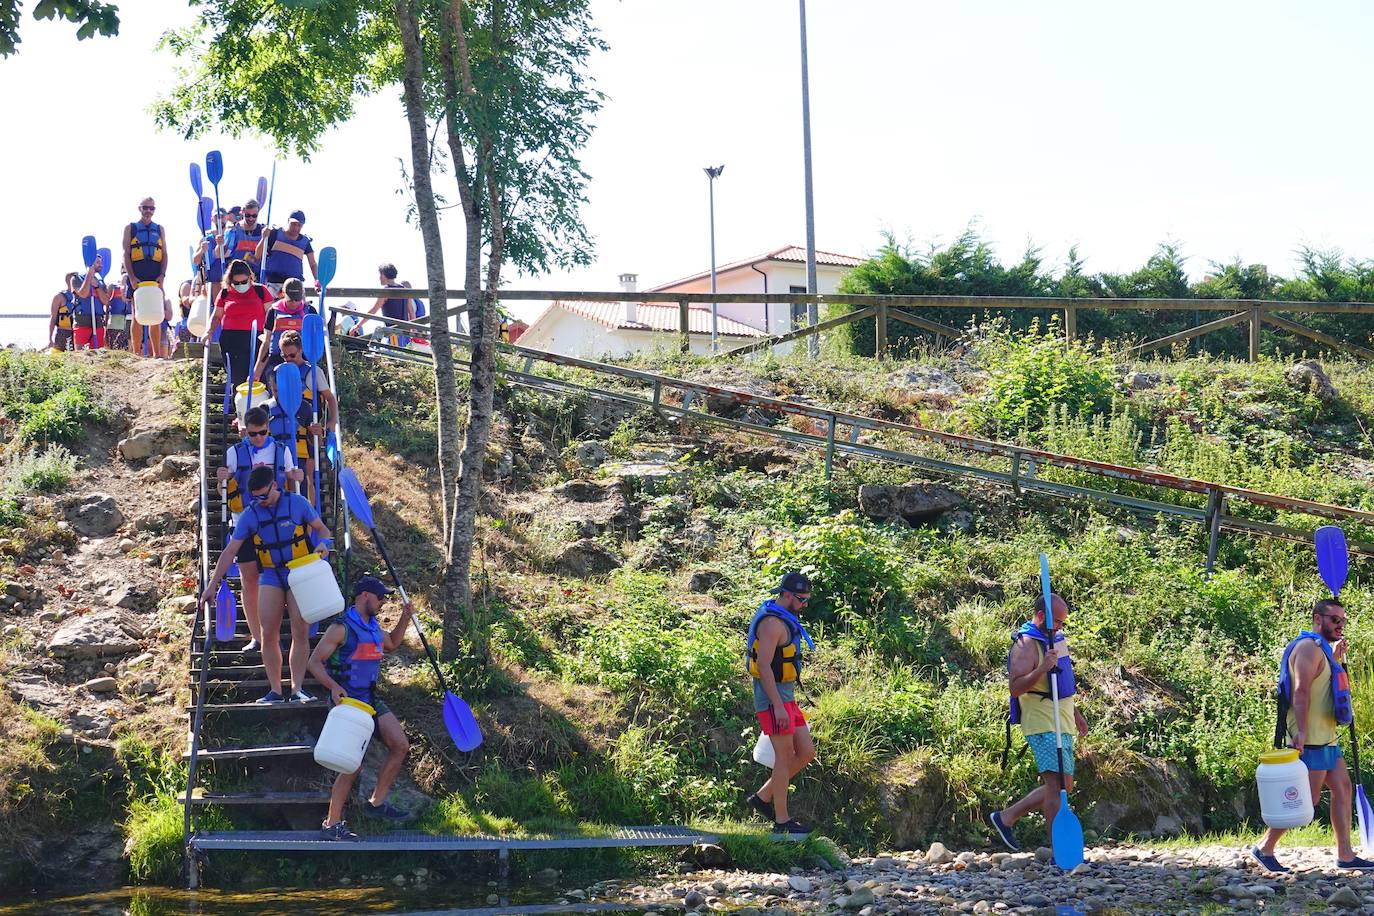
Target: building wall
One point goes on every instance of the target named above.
(573, 335)
(782, 275)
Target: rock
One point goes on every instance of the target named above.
(1308, 375)
(95, 515)
(913, 503)
(590, 454)
(859, 899)
(126, 545)
(799, 883)
(101, 684)
(185, 604)
(146, 688)
(723, 741)
(1167, 825)
(926, 384)
(49, 617)
(960, 521)
(703, 581)
(1142, 381)
(1345, 898)
(147, 443)
(157, 522)
(140, 660)
(175, 466)
(693, 899)
(711, 856)
(1037, 899)
(18, 591)
(1043, 854)
(937, 854)
(586, 558)
(964, 858)
(651, 477)
(94, 636)
(10, 630)
(122, 594)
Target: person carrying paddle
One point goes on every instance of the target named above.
(775, 663)
(209, 255)
(1313, 701)
(1031, 663)
(62, 315)
(307, 431)
(282, 252)
(348, 661)
(88, 317)
(241, 241)
(242, 304)
(286, 314)
(279, 525)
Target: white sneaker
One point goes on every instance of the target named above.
(300, 696)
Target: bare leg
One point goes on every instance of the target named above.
(804, 751)
(775, 789)
(1338, 784)
(1033, 800)
(1049, 802)
(135, 337)
(397, 747)
(338, 796)
(300, 644)
(248, 578)
(271, 602)
(1316, 779)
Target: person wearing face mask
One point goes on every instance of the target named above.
(241, 305)
(243, 239)
(286, 314)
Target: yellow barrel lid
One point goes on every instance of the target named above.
(243, 387)
(302, 561)
(1279, 755)
(349, 701)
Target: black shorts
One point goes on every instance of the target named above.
(247, 554)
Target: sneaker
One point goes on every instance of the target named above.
(762, 807)
(385, 811)
(300, 696)
(1356, 863)
(252, 648)
(1268, 863)
(337, 831)
(1003, 831)
(793, 827)
(272, 697)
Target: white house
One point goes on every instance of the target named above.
(592, 329)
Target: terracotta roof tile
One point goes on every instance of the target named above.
(790, 253)
(652, 316)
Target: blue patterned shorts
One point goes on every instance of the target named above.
(1046, 756)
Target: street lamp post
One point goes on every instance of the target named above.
(813, 343)
(712, 173)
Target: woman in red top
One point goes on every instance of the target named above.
(241, 304)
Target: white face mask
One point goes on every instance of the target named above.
(242, 287)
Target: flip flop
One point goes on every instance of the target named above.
(1268, 863)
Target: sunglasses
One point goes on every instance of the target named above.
(1336, 618)
(803, 598)
(253, 215)
(254, 433)
(263, 496)
(147, 209)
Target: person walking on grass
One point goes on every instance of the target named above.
(279, 525)
(348, 661)
(1313, 701)
(1033, 660)
(775, 664)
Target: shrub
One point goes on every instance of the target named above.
(48, 471)
(48, 398)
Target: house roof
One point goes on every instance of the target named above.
(652, 316)
(790, 253)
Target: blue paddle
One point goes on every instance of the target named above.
(214, 170)
(88, 255)
(458, 718)
(288, 382)
(226, 613)
(271, 191)
(312, 346)
(205, 214)
(106, 261)
(327, 265)
(260, 194)
(196, 184)
(1066, 833)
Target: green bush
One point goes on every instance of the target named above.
(48, 398)
(48, 471)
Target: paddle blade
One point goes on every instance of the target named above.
(312, 337)
(328, 264)
(205, 214)
(214, 167)
(226, 613)
(1045, 590)
(106, 262)
(88, 250)
(1066, 836)
(261, 194)
(289, 392)
(1333, 560)
(461, 724)
(331, 448)
(355, 497)
(196, 184)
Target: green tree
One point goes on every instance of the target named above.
(93, 17)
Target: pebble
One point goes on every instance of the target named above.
(101, 684)
(126, 545)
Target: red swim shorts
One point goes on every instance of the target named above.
(797, 720)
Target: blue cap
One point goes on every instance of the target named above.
(370, 584)
(297, 216)
(793, 582)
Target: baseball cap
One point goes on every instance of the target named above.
(793, 582)
(297, 216)
(294, 288)
(235, 211)
(370, 584)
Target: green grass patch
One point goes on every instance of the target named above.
(46, 397)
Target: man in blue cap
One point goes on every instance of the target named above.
(348, 661)
(283, 251)
(775, 663)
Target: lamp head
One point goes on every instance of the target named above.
(713, 173)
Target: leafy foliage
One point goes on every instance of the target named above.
(93, 17)
(45, 398)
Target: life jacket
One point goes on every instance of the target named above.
(65, 310)
(84, 306)
(283, 321)
(787, 659)
(1340, 688)
(271, 551)
(243, 466)
(243, 245)
(214, 266)
(280, 427)
(119, 305)
(357, 662)
(420, 310)
(285, 255)
(394, 309)
(1064, 682)
(145, 242)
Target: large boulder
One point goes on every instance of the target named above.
(586, 558)
(926, 384)
(910, 502)
(1308, 375)
(143, 444)
(100, 635)
(912, 793)
(96, 515)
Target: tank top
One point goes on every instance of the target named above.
(1037, 712)
(1321, 711)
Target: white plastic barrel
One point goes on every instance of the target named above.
(241, 397)
(343, 740)
(763, 751)
(198, 321)
(1284, 792)
(315, 589)
(148, 305)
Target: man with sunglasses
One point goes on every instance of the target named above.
(242, 240)
(145, 247)
(257, 449)
(1313, 701)
(305, 427)
(775, 663)
(280, 526)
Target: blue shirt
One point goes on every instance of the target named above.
(276, 524)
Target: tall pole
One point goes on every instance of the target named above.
(711, 175)
(813, 343)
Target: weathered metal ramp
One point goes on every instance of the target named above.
(408, 841)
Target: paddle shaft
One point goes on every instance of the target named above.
(391, 568)
(314, 421)
(1053, 679)
(271, 190)
(338, 423)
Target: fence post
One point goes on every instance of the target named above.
(1216, 507)
(880, 332)
(1070, 323)
(683, 329)
(1254, 335)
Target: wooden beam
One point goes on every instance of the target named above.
(1237, 318)
(1304, 331)
(1254, 335)
(1070, 323)
(684, 326)
(799, 333)
(880, 333)
(925, 324)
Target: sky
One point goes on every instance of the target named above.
(1236, 129)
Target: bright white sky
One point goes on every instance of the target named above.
(1235, 128)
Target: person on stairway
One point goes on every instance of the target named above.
(347, 661)
(256, 449)
(277, 522)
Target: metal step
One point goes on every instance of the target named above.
(211, 709)
(251, 753)
(310, 840)
(200, 797)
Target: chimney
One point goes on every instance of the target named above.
(629, 284)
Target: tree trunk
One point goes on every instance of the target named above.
(445, 375)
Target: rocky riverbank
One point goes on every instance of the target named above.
(1119, 879)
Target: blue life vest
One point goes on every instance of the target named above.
(786, 663)
(281, 321)
(119, 305)
(83, 306)
(285, 256)
(243, 466)
(1064, 680)
(66, 310)
(420, 310)
(145, 242)
(282, 533)
(214, 266)
(239, 243)
(357, 662)
(1340, 687)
